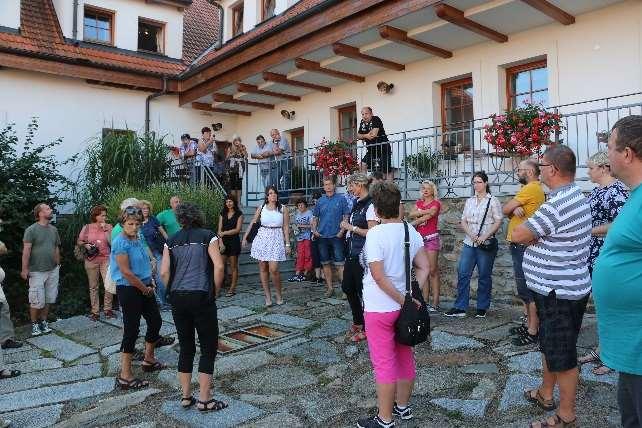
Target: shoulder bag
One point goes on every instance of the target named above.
(491, 243)
(254, 229)
(413, 325)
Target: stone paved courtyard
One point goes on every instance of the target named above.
(468, 376)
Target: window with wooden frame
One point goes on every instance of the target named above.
(527, 83)
(297, 144)
(237, 19)
(457, 115)
(98, 25)
(347, 123)
(267, 10)
(151, 35)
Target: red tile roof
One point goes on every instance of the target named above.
(293, 11)
(200, 29)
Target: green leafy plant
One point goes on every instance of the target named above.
(423, 164)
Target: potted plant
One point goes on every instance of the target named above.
(423, 164)
(335, 158)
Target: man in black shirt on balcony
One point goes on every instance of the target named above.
(378, 155)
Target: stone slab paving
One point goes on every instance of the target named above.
(586, 373)
(108, 350)
(50, 377)
(89, 359)
(241, 363)
(526, 363)
(319, 352)
(21, 356)
(472, 408)
(55, 394)
(330, 328)
(233, 312)
(318, 407)
(237, 413)
(281, 419)
(167, 317)
(249, 300)
(276, 379)
(480, 369)
(287, 320)
(73, 324)
(99, 335)
(485, 389)
(513, 395)
(442, 341)
(35, 365)
(288, 344)
(39, 417)
(61, 347)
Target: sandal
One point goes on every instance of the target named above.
(150, 367)
(230, 294)
(558, 422)
(521, 330)
(187, 402)
(591, 357)
(216, 405)
(135, 383)
(165, 341)
(358, 337)
(526, 339)
(8, 374)
(354, 329)
(601, 370)
(94, 317)
(109, 314)
(539, 400)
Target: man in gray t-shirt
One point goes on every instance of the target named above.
(263, 153)
(40, 266)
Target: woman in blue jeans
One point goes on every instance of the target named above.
(481, 219)
(155, 236)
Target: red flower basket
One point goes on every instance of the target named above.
(522, 131)
(335, 158)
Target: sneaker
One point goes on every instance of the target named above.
(35, 329)
(375, 422)
(405, 414)
(454, 312)
(432, 308)
(294, 278)
(44, 327)
(5, 423)
(10, 343)
(481, 313)
(300, 278)
(518, 331)
(525, 339)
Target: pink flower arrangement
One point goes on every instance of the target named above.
(522, 131)
(335, 158)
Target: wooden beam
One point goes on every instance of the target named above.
(315, 67)
(456, 16)
(551, 10)
(280, 78)
(399, 36)
(346, 19)
(207, 107)
(252, 89)
(354, 53)
(224, 98)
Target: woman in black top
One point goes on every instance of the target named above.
(229, 228)
(191, 267)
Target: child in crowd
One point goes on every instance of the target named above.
(302, 220)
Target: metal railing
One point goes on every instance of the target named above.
(447, 155)
(186, 171)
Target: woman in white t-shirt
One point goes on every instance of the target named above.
(384, 287)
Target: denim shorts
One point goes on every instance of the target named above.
(517, 253)
(331, 250)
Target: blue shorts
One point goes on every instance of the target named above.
(331, 250)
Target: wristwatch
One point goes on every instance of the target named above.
(354, 229)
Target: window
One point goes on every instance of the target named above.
(150, 36)
(297, 143)
(98, 25)
(456, 114)
(237, 19)
(348, 123)
(527, 83)
(268, 9)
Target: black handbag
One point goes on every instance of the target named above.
(254, 229)
(491, 244)
(413, 325)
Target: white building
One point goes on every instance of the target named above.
(449, 61)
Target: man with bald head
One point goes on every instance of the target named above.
(518, 209)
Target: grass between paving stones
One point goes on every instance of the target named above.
(466, 388)
(455, 414)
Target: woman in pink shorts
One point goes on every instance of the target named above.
(425, 217)
(384, 287)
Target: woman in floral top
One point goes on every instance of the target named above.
(606, 201)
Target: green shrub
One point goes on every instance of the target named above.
(210, 201)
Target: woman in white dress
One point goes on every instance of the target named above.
(272, 242)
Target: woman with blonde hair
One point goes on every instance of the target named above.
(237, 159)
(425, 218)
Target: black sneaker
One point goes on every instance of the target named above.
(481, 313)
(375, 422)
(294, 278)
(454, 312)
(10, 343)
(300, 278)
(518, 331)
(526, 339)
(405, 414)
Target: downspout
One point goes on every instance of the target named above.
(75, 29)
(149, 99)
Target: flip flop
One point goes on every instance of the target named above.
(149, 367)
(591, 357)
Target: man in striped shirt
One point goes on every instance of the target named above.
(555, 268)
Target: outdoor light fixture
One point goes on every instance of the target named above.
(217, 126)
(288, 114)
(384, 87)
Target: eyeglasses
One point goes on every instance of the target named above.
(544, 164)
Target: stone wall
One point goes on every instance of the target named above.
(452, 238)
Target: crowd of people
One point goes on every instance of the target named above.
(564, 246)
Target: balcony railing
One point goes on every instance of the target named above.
(448, 155)
(187, 172)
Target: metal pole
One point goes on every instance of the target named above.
(405, 166)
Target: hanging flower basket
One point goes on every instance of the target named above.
(335, 158)
(522, 131)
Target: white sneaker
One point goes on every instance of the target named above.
(35, 329)
(5, 423)
(44, 327)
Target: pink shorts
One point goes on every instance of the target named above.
(391, 361)
(432, 243)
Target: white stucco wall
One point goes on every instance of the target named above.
(10, 13)
(77, 111)
(127, 13)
